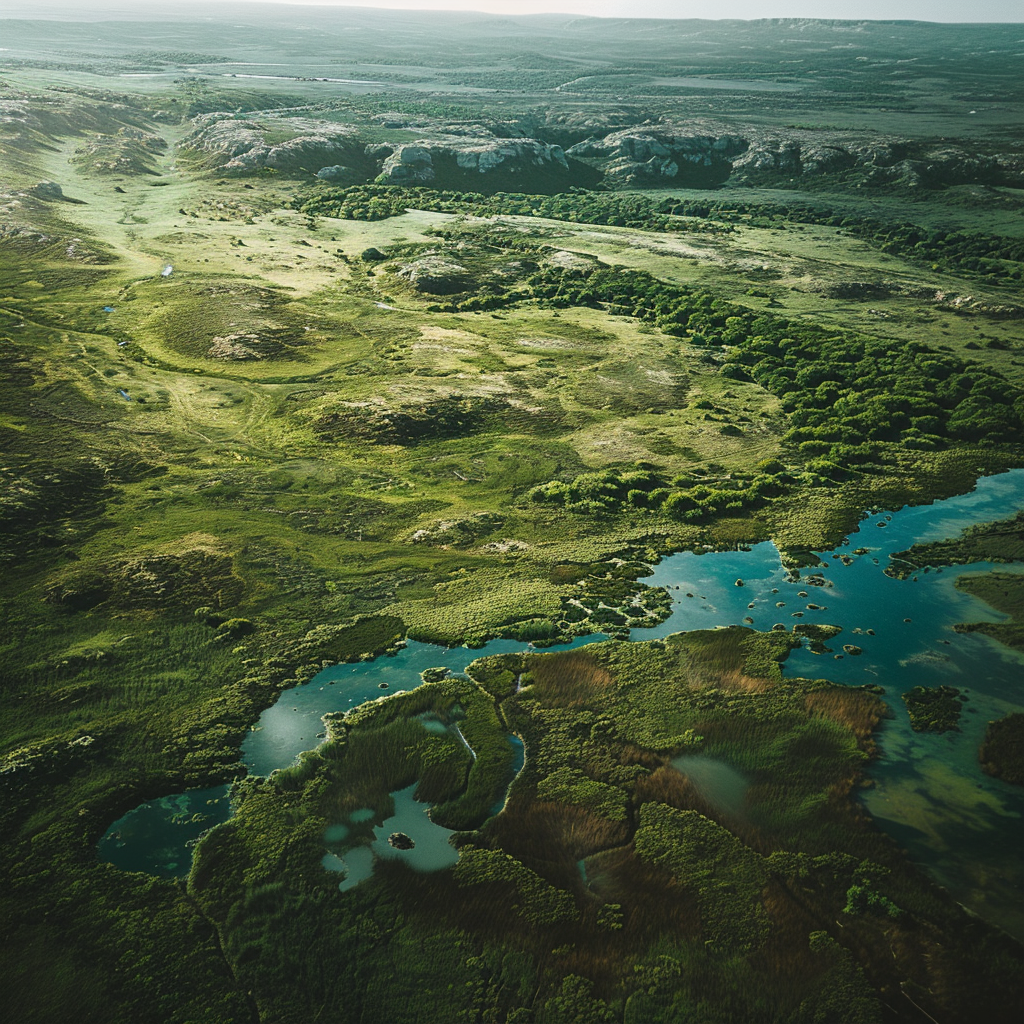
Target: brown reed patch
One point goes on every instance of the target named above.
(550, 837)
(568, 680)
(672, 787)
(857, 710)
(737, 681)
(630, 753)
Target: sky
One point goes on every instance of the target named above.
(915, 10)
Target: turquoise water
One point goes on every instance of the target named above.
(929, 793)
(518, 760)
(294, 723)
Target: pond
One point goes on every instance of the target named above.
(967, 829)
(721, 785)
(430, 851)
(157, 837)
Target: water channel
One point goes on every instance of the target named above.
(929, 794)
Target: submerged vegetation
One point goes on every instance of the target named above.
(456, 345)
(607, 860)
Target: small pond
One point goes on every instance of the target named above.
(431, 850)
(721, 785)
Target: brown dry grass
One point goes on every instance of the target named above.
(738, 681)
(857, 710)
(551, 837)
(568, 680)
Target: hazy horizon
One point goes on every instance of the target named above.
(942, 11)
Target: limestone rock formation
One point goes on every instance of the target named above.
(239, 145)
(435, 275)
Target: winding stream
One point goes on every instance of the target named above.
(967, 829)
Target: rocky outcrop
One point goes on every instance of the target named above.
(240, 145)
(336, 153)
(48, 190)
(489, 156)
(435, 275)
(703, 154)
(475, 157)
(462, 159)
(127, 151)
(639, 156)
(408, 165)
(235, 347)
(338, 174)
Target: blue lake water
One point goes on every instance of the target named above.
(157, 837)
(930, 795)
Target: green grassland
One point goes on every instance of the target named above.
(288, 451)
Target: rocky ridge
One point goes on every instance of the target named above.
(697, 153)
(232, 145)
(710, 153)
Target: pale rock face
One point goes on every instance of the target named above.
(240, 143)
(825, 159)
(487, 156)
(334, 173)
(409, 163)
(756, 160)
(646, 155)
(411, 156)
(770, 155)
(435, 275)
(416, 162)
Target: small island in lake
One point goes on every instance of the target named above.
(400, 841)
(933, 708)
(1002, 751)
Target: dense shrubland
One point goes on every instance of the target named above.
(619, 209)
(996, 259)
